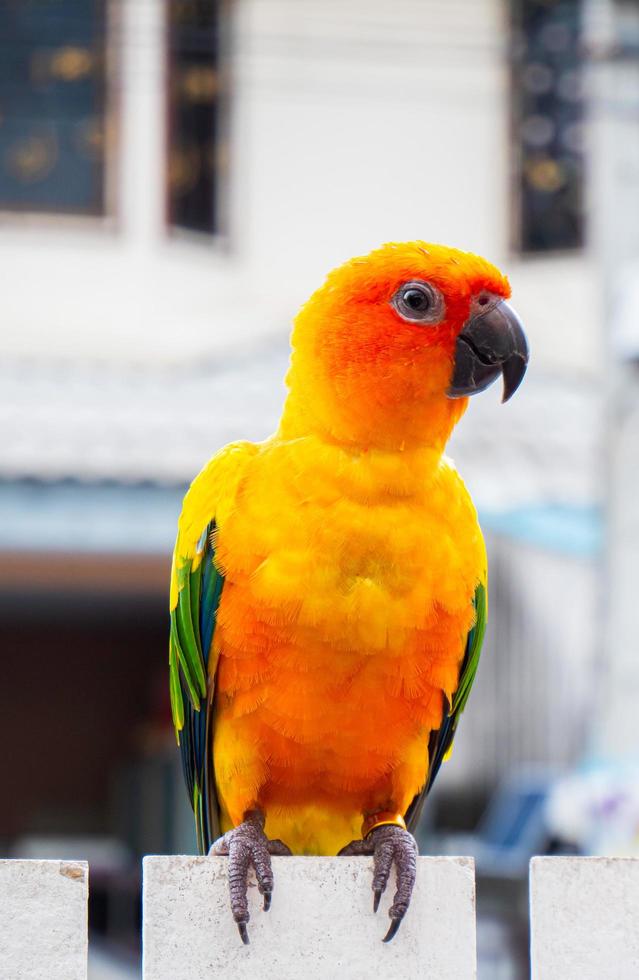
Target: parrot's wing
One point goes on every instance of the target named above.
(196, 588)
(192, 627)
(441, 741)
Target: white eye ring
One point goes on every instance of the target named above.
(418, 302)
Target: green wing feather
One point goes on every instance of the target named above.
(191, 641)
(441, 741)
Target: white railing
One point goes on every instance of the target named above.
(584, 918)
(43, 920)
(320, 924)
(584, 915)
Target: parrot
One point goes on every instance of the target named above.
(328, 595)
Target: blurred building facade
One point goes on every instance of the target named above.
(136, 231)
(178, 176)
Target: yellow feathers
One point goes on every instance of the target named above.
(211, 495)
(342, 621)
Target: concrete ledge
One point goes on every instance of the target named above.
(584, 918)
(320, 925)
(43, 920)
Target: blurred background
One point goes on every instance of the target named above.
(175, 177)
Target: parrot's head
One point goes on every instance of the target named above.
(386, 352)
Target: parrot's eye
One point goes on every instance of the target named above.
(419, 302)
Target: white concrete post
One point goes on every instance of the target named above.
(584, 915)
(43, 920)
(320, 925)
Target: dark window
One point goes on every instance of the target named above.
(548, 124)
(194, 114)
(52, 105)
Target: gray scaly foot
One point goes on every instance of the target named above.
(248, 845)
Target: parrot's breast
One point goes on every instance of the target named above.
(341, 630)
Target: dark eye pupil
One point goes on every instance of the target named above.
(416, 300)
(419, 303)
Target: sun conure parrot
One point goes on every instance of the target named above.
(328, 592)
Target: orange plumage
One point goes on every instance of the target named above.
(351, 553)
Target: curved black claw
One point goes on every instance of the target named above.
(247, 845)
(392, 930)
(390, 845)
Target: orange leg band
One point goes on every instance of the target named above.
(381, 819)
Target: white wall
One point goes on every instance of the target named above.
(353, 122)
(615, 168)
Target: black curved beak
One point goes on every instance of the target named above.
(490, 344)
